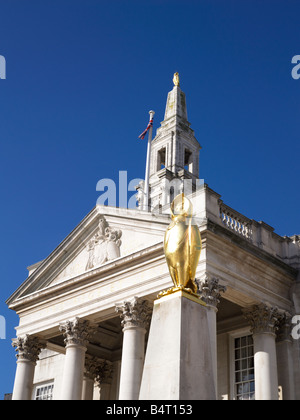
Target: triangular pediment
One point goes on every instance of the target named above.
(104, 235)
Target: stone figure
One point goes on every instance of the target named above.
(104, 246)
(90, 248)
(182, 245)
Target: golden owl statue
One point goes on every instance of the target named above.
(182, 245)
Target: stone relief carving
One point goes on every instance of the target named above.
(104, 246)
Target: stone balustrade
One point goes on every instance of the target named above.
(236, 221)
(208, 206)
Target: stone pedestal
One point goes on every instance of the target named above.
(178, 363)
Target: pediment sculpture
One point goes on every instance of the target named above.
(104, 246)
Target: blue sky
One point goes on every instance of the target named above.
(81, 78)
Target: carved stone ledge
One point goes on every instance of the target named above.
(28, 347)
(134, 313)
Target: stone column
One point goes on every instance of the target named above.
(76, 334)
(135, 314)
(89, 377)
(210, 291)
(285, 358)
(104, 378)
(264, 321)
(28, 349)
(87, 387)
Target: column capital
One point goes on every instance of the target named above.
(263, 318)
(104, 372)
(210, 290)
(284, 328)
(91, 364)
(76, 332)
(28, 348)
(134, 312)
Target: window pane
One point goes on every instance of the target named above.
(44, 392)
(238, 377)
(244, 352)
(244, 368)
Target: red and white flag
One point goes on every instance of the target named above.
(150, 124)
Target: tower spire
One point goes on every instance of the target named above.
(176, 104)
(174, 150)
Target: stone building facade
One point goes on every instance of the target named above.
(85, 310)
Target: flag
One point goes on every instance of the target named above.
(142, 136)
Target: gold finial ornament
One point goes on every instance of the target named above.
(182, 246)
(176, 79)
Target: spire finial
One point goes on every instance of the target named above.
(176, 79)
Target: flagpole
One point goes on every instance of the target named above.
(146, 187)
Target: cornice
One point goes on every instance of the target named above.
(245, 244)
